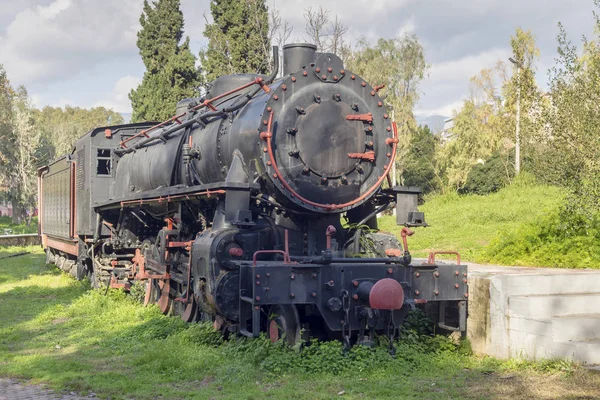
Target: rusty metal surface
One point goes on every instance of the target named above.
(386, 294)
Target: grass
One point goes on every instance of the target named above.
(470, 223)
(56, 330)
(6, 223)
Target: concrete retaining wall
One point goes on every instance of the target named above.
(535, 313)
(20, 240)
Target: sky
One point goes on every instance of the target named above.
(83, 52)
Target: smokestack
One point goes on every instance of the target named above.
(296, 56)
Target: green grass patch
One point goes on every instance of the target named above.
(470, 223)
(56, 330)
(17, 229)
(556, 239)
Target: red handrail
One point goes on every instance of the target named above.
(431, 258)
(206, 103)
(286, 256)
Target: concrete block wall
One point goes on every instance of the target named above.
(534, 313)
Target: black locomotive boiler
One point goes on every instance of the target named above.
(254, 207)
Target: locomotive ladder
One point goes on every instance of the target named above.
(249, 309)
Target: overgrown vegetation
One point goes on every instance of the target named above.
(557, 239)
(470, 223)
(16, 229)
(56, 330)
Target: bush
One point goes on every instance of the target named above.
(563, 238)
(491, 176)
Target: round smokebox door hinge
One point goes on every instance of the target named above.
(329, 68)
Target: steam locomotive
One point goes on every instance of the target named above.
(255, 207)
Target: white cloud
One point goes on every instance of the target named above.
(52, 10)
(446, 110)
(462, 69)
(448, 82)
(53, 42)
(359, 16)
(347, 10)
(407, 26)
(118, 98)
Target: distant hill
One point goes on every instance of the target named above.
(434, 122)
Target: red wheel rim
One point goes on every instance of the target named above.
(164, 302)
(148, 296)
(273, 331)
(189, 314)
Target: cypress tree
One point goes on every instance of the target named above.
(238, 38)
(171, 74)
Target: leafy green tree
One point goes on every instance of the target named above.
(19, 149)
(171, 74)
(61, 127)
(467, 145)
(400, 65)
(6, 134)
(238, 39)
(521, 92)
(6, 96)
(419, 164)
(573, 123)
(486, 122)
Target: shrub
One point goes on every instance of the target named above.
(491, 176)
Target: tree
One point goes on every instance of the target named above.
(486, 122)
(6, 133)
(523, 83)
(419, 164)
(573, 123)
(468, 145)
(400, 65)
(238, 38)
(325, 33)
(61, 127)
(19, 149)
(24, 157)
(171, 74)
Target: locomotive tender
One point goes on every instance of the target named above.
(254, 207)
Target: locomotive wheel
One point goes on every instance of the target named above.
(165, 302)
(284, 323)
(190, 313)
(152, 292)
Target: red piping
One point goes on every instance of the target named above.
(286, 256)
(268, 135)
(205, 103)
(431, 258)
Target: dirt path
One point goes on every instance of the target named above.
(11, 389)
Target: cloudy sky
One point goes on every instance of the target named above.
(83, 52)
